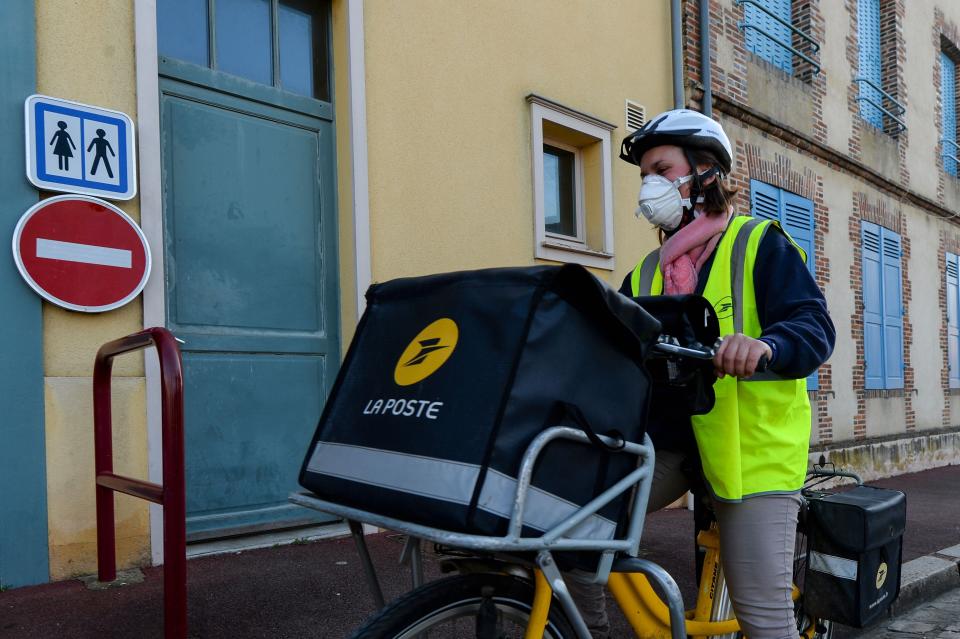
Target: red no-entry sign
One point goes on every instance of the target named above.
(81, 253)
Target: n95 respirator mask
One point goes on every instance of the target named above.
(660, 201)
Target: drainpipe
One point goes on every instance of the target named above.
(705, 58)
(677, 54)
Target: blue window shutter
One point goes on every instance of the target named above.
(796, 217)
(872, 305)
(764, 200)
(868, 35)
(948, 111)
(953, 322)
(892, 310)
(771, 51)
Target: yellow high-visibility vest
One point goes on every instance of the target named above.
(756, 439)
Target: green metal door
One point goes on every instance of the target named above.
(251, 279)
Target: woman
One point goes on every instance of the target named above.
(753, 445)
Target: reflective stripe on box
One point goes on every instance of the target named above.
(450, 481)
(833, 565)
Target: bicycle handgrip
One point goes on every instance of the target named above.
(762, 365)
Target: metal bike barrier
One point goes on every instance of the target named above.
(171, 495)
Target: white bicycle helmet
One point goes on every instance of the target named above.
(679, 127)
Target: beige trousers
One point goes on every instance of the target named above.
(757, 538)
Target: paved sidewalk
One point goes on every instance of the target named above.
(317, 589)
(936, 619)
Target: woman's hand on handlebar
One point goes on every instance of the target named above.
(739, 355)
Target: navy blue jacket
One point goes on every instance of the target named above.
(793, 314)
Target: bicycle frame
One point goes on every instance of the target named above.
(648, 615)
(629, 577)
(557, 538)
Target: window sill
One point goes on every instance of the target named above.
(954, 392)
(559, 251)
(884, 392)
(576, 248)
(879, 131)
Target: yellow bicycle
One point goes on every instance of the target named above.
(512, 587)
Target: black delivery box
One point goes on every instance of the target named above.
(855, 540)
(450, 377)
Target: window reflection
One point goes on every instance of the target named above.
(183, 29)
(559, 194)
(243, 39)
(248, 43)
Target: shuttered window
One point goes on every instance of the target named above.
(795, 215)
(770, 36)
(868, 35)
(882, 307)
(953, 323)
(948, 111)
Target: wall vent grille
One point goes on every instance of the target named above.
(636, 116)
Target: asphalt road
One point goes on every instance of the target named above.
(317, 589)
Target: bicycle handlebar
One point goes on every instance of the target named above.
(668, 346)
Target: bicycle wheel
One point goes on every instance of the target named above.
(484, 606)
(822, 629)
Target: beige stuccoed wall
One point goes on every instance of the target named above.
(926, 356)
(85, 52)
(449, 129)
(922, 93)
(833, 58)
(838, 198)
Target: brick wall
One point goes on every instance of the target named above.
(893, 56)
(772, 145)
(945, 38)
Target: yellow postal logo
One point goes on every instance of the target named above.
(427, 352)
(881, 575)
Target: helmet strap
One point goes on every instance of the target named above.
(696, 187)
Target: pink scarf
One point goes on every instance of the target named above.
(683, 253)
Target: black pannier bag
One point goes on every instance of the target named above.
(855, 539)
(450, 377)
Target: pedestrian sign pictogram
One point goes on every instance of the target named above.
(78, 148)
(81, 253)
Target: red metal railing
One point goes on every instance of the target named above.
(171, 495)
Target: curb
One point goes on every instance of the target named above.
(926, 577)
(921, 579)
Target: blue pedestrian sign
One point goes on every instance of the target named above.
(78, 148)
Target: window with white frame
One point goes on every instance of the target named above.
(562, 191)
(573, 192)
